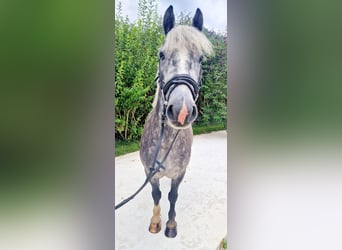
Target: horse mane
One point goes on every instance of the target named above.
(155, 99)
(189, 38)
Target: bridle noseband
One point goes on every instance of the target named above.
(180, 79)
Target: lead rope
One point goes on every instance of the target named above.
(153, 170)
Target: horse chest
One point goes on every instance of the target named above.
(177, 160)
(178, 157)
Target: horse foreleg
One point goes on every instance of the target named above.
(155, 225)
(171, 225)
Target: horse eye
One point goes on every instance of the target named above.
(201, 59)
(161, 56)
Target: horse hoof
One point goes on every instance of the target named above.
(155, 228)
(171, 232)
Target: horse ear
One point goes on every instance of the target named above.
(169, 19)
(197, 22)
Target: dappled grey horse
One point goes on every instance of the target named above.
(179, 80)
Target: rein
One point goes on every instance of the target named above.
(153, 170)
(166, 89)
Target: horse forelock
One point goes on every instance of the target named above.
(187, 38)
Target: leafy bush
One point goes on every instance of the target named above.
(136, 47)
(212, 101)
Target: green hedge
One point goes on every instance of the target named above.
(136, 47)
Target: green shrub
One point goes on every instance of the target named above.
(136, 46)
(212, 102)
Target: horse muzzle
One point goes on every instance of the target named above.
(181, 110)
(180, 94)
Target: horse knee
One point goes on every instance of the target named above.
(172, 196)
(156, 194)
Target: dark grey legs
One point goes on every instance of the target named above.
(171, 224)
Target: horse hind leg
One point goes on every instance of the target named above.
(155, 225)
(171, 224)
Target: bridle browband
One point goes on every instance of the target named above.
(180, 79)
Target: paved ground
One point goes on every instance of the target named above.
(201, 207)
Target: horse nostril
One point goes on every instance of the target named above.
(193, 115)
(170, 112)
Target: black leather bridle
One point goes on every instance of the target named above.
(180, 79)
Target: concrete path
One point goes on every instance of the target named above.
(201, 207)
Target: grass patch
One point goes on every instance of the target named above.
(223, 244)
(125, 147)
(203, 129)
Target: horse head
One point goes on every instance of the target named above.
(180, 69)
